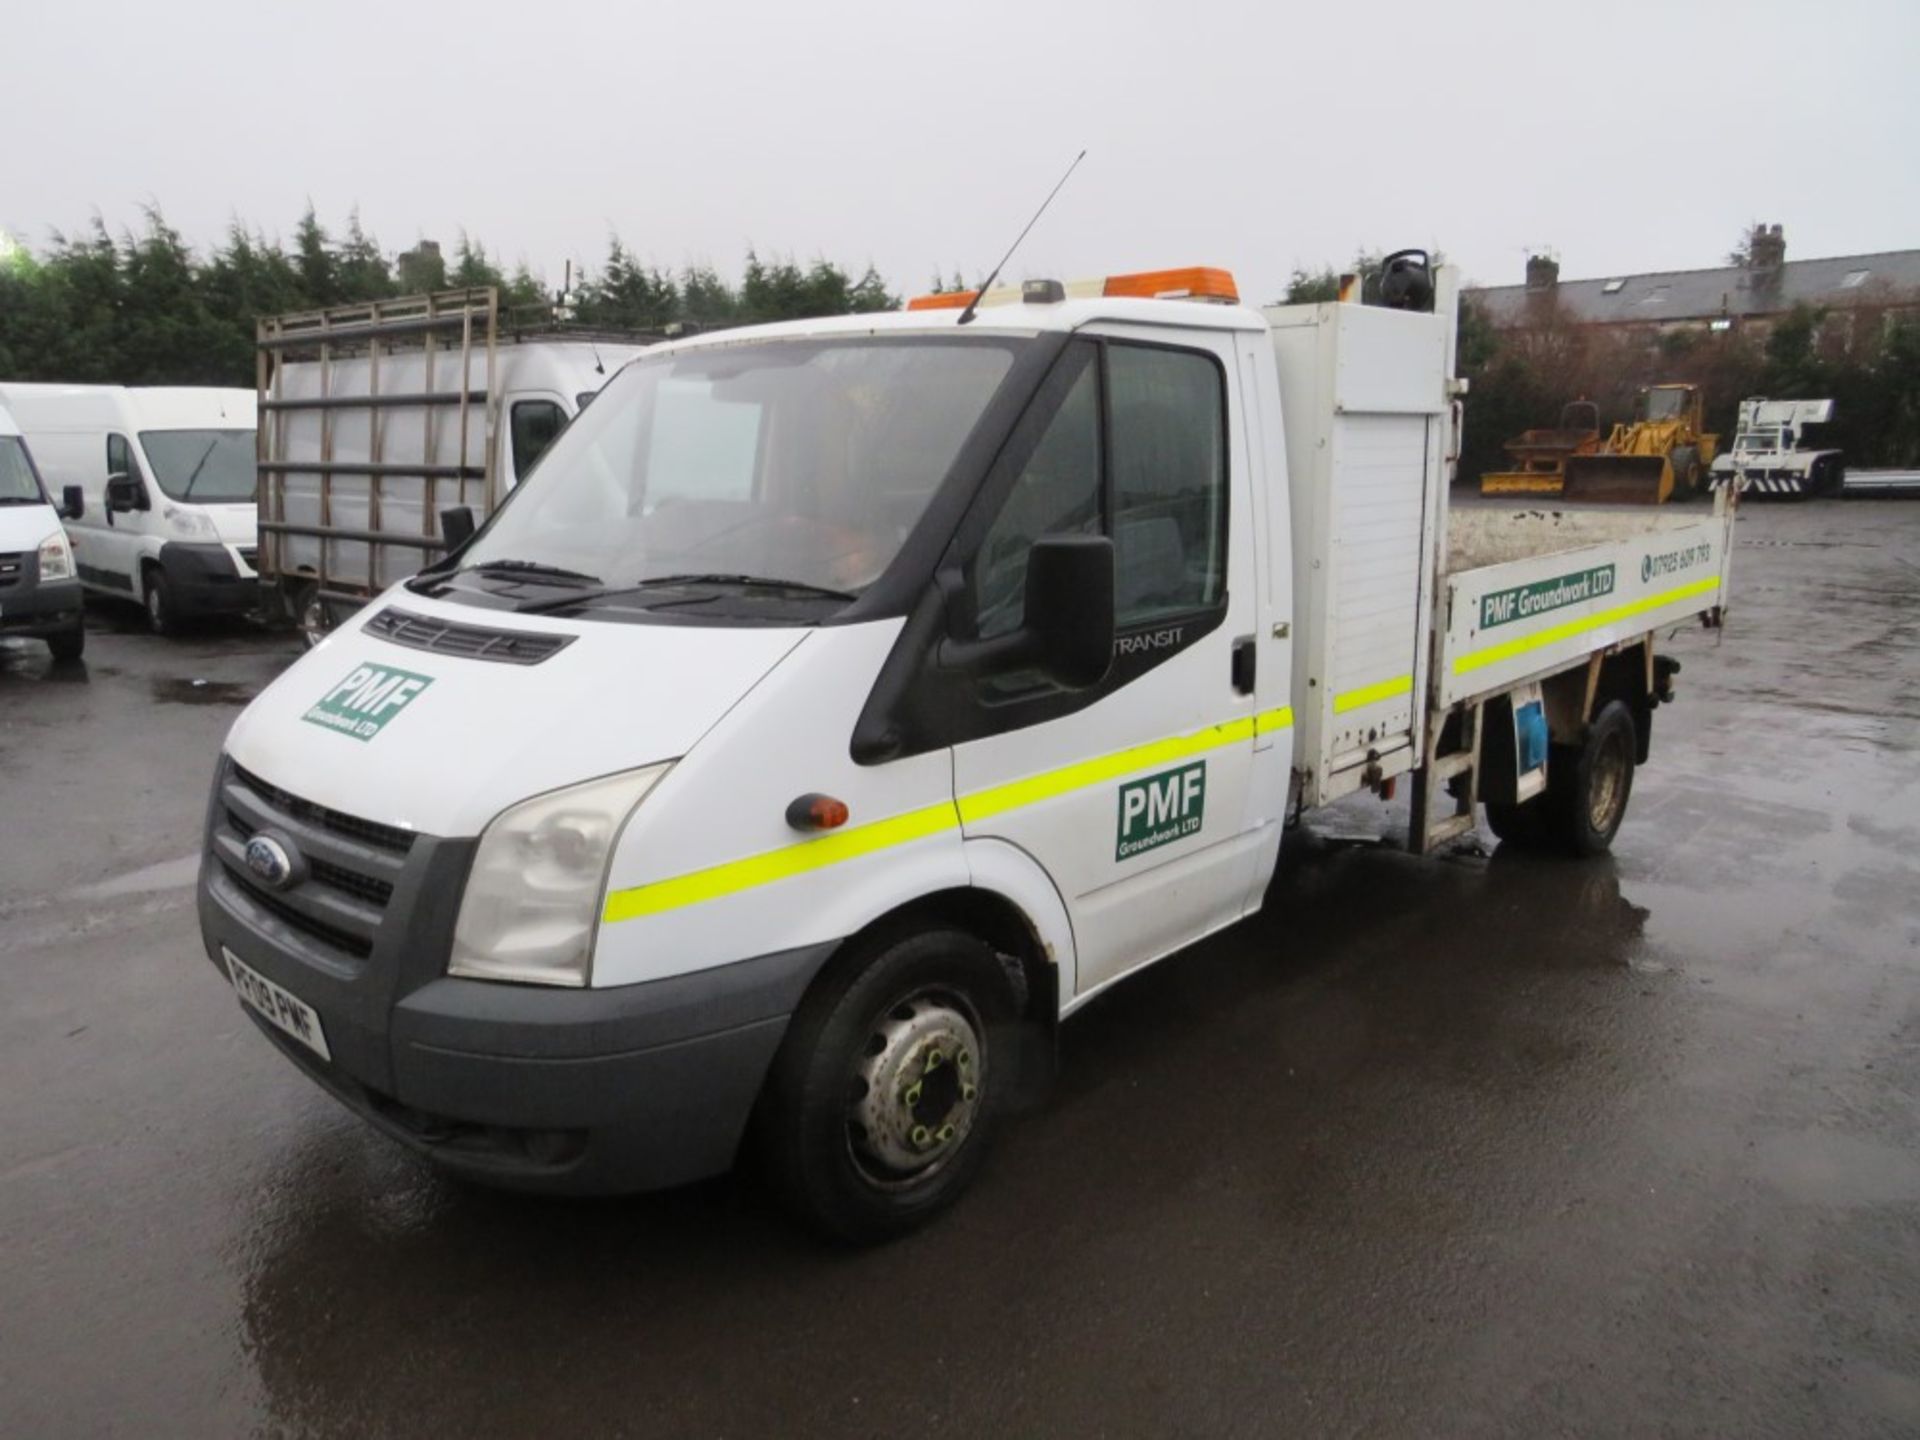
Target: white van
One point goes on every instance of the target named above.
(39, 593)
(842, 704)
(166, 478)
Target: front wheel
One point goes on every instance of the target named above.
(162, 617)
(880, 1106)
(68, 645)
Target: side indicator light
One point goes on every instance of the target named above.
(814, 811)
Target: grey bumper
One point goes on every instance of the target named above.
(32, 606)
(586, 1091)
(206, 581)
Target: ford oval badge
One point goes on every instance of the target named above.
(267, 858)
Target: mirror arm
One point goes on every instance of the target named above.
(978, 656)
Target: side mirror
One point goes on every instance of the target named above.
(456, 527)
(1068, 630)
(73, 502)
(124, 494)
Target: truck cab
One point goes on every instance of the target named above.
(39, 592)
(841, 704)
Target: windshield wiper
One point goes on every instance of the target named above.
(194, 474)
(661, 582)
(22, 500)
(533, 570)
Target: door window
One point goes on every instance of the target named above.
(1058, 493)
(120, 456)
(1153, 476)
(534, 423)
(1167, 420)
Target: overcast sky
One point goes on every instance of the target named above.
(1623, 136)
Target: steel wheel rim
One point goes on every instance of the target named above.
(1607, 790)
(917, 1089)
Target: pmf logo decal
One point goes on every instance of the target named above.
(1161, 809)
(366, 701)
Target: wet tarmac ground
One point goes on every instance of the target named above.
(1481, 1144)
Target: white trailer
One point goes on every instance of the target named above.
(1772, 454)
(378, 419)
(843, 700)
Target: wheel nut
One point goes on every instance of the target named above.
(964, 1059)
(967, 1092)
(934, 1061)
(946, 1134)
(922, 1136)
(912, 1097)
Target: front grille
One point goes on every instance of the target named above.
(475, 642)
(12, 567)
(386, 837)
(366, 887)
(370, 888)
(358, 946)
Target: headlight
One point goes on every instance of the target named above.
(56, 557)
(191, 525)
(533, 900)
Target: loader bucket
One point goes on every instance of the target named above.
(1521, 482)
(1618, 479)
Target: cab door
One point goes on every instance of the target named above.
(115, 548)
(1132, 795)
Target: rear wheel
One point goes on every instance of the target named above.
(882, 1101)
(1522, 824)
(69, 644)
(1588, 784)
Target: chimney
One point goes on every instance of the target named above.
(1543, 272)
(1766, 248)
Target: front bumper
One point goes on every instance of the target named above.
(541, 1088)
(206, 580)
(32, 606)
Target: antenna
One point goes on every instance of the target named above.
(974, 304)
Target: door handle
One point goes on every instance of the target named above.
(1243, 664)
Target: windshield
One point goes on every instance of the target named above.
(1666, 404)
(805, 461)
(18, 483)
(1757, 440)
(214, 467)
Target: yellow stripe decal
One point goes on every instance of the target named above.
(732, 876)
(1372, 694)
(1494, 654)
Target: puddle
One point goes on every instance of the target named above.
(201, 692)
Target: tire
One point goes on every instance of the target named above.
(881, 1104)
(1523, 824)
(162, 614)
(1686, 470)
(313, 617)
(68, 645)
(1589, 784)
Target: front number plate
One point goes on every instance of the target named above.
(289, 1012)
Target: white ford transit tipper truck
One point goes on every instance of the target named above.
(166, 481)
(39, 593)
(382, 418)
(842, 699)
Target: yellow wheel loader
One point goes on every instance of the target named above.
(1540, 456)
(1662, 454)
